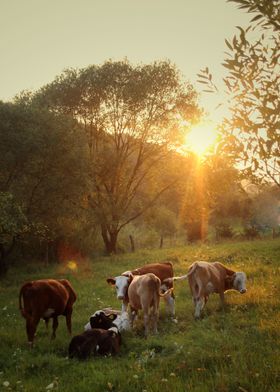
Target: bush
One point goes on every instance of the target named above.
(251, 232)
(224, 230)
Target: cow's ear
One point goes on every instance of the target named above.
(111, 281)
(130, 278)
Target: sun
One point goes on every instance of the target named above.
(201, 137)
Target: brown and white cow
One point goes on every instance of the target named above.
(162, 270)
(46, 298)
(207, 278)
(144, 293)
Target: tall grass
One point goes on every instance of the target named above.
(232, 350)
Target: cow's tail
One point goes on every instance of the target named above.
(167, 292)
(23, 288)
(183, 277)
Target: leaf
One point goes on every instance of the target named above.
(257, 18)
(228, 44)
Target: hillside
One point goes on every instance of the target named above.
(234, 350)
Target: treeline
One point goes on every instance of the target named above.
(92, 161)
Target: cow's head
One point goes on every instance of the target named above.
(121, 283)
(237, 281)
(100, 320)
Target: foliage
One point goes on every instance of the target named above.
(131, 118)
(233, 350)
(224, 230)
(42, 164)
(12, 226)
(251, 133)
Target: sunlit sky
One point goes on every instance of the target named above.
(40, 38)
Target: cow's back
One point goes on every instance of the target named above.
(161, 270)
(144, 289)
(201, 273)
(41, 295)
(72, 294)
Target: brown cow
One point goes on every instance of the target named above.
(46, 298)
(161, 270)
(144, 293)
(207, 278)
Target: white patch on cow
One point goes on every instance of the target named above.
(122, 322)
(97, 348)
(239, 282)
(114, 329)
(87, 327)
(121, 286)
(199, 306)
(48, 313)
(170, 304)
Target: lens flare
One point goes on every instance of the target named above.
(201, 138)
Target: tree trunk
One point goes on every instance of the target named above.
(132, 244)
(161, 242)
(3, 265)
(110, 239)
(47, 254)
(4, 254)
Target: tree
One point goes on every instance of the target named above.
(131, 116)
(251, 133)
(12, 225)
(42, 164)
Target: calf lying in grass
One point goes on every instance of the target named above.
(101, 336)
(95, 341)
(107, 318)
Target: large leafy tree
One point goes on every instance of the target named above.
(251, 132)
(131, 117)
(42, 164)
(12, 225)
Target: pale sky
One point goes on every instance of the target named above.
(40, 38)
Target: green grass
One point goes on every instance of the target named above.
(233, 350)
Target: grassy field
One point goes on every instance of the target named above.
(235, 350)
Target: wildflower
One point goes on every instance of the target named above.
(164, 380)
(50, 386)
(110, 386)
(135, 376)
(172, 375)
(6, 383)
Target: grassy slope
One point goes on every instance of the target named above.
(235, 350)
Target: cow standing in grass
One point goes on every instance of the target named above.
(144, 293)
(162, 270)
(46, 298)
(207, 278)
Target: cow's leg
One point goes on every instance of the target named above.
(47, 323)
(124, 306)
(146, 322)
(68, 320)
(54, 326)
(133, 315)
(31, 326)
(222, 299)
(155, 315)
(198, 307)
(170, 304)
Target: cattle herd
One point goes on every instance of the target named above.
(139, 289)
